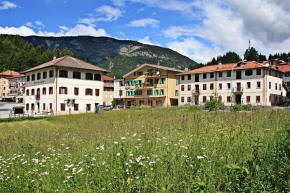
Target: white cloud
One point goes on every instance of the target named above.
(144, 22)
(177, 31)
(104, 13)
(195, 50)
(118, 2)
(29, 24)
(78, 30)
(7, 5)
(146, 40)
(39, 23)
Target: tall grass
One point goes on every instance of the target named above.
(147, 150)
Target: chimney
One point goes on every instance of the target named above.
(186, 69)
(54, 57)
(220, 65)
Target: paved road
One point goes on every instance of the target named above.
(6, 107)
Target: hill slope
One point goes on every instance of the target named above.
(119, 56)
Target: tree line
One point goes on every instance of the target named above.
(18, 55)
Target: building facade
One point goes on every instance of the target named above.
(108, 90)
(16, 87)
(286, 79)
(119, 91)
(236, 83)
(63, 86)
(4, 83)
(4, 88)
(151, 85)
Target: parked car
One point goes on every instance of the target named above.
(108, 107)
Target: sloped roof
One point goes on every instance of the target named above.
(225, 67)
(108, 78)
(108, 85)
(9, 73)
(153, 66)
(285, 68)
(16, 76)
(67, 61)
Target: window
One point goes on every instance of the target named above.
(32, 107)
(76, 75)
(182, 77)
(50, 106)
(211, 86)
(97, 77)
(50, 90)
(258, 84)
(188, 87)
(51, 73)
(204, 86)
(63, 74)
(120, 93)
(229, 73)
(76, 107)
(220, 86)
(28, 78)
(220, 74)
(32, 92)
(248, 99)
(188, 99)
(89, 91)
(280, 86)
(204, 99)
(44, 91)
(140, 73)
(189, 77)
(62, 107)
(38, 76)
(27, 92)
(248, 84)
(182, 87)
(33, 77)
(97, 92)
(177, 81)
(229, 85)
(176, 92)
(257, 99)
(88, 107)
(76, 91)
(211, 75)
(182, 99)
(228, 99)
(197, 78)
(258, 72)
(270, 85)
(27, 107)
(89, 76)
(220, 98)
(44, 75)
(62, 90)
(270, 99)
(249, 72)
(43, 106)
(197, 87)
(276, 86)
(204, 75)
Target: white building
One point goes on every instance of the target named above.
(119, 90)
(235, 83)
(16, 87)
(64, 85)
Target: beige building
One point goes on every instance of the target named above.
(64, 85)
(4, 83)
(108, 90)
(236, 83)
(119, 91)
(151, 85)
(4, 88)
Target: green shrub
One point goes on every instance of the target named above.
(214, 104)
(238, 107)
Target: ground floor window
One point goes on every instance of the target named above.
(88, 107)
(204, 99)
(32, 107)
(76, 107)
(188, 99)
(62, 107)
(141, 103)
(257, 99)
(159, 103)
(228, 99)
(27, 107)
(248, 99)
(43, 106)
(50, 106)
(182, 99)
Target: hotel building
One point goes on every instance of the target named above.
(64, 85)
(151, 85)
(108, 90)
(236, 83)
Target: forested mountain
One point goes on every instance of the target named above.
(118, 56)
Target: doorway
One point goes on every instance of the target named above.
(239, 99)
(196, 100)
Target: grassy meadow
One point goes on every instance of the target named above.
(147, 150)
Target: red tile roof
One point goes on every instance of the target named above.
(9, 73)
(225, 67)
(67, 61)
(16, 76)
(108, 78)
(285, 68)
(108, 85)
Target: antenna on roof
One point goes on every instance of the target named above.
(249, 44)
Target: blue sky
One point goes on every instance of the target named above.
(199, 29)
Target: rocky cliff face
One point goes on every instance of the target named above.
(119, 56)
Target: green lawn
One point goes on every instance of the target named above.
(147, 150)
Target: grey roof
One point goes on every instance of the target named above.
(67, 61)
(153, 66)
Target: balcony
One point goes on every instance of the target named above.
(195, 92)
(153, 74)
(238, 89)
(37, 97)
